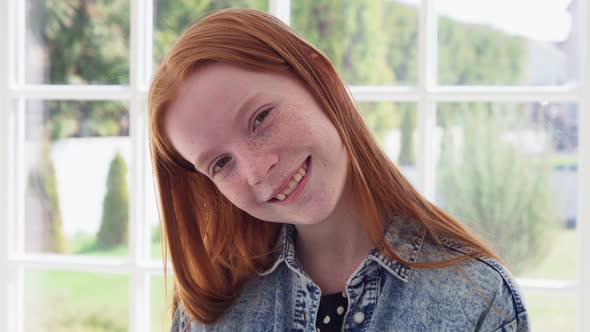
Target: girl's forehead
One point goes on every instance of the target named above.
(219, 88)
(217, 93)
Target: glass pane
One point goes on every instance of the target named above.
(551, 312)
(489, 43)
(77, 42)
(394, 127)
(369, 42)
(171, 18)
(510, 171)
(74, 301)
(77, 196)
(161, 305)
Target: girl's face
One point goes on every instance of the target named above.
(251, 133)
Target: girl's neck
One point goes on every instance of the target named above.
(330, 251)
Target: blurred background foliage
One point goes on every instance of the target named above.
(370, 43)
(497, 188)
(114, 228)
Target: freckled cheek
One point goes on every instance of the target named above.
(294, 132)
(240, 197)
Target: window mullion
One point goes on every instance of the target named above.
(468, 94)
(17, 185)
(4, 139)
(505, 94)
(73, 92)
(426, 107)
(16, 313)
(141, 26)
(281, 9)
(137, 250)
(549, 287)
(583, 223)
(19, 11)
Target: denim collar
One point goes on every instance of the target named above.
(405, 238)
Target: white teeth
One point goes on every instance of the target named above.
(292, 184)
(287, 191)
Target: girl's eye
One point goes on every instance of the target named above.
(220, 163)
(260, 117)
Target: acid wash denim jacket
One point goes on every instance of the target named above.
(383, 294)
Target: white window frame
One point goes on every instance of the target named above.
(137, 266)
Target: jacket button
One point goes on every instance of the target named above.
(359, 317)
(304, 317)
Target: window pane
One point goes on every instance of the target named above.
(171, 18)
(74, 301)
(161, 306)
(369, 42)
(510, 171)
(77, 42)
(394, 127)
(77, 198)
(488, 43)
(551, 312)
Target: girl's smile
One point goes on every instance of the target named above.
(295, 187)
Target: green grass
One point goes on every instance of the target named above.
(87, 302)
(551, 312)
(85, 244)
(59, 301)
(161, 319)
(554, 312)
(560, 261)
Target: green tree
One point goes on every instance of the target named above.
(114, 226)
(86, 42)
(400, 24)
(471, 54)
(406, 154)
(173, 17)
(353, 36)
(496, 187)
(43, 184)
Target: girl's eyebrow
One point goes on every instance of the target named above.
(239, 114)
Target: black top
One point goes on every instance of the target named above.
(331, 312)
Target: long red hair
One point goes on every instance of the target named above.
(214, 246)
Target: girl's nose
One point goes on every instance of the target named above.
(257, 166)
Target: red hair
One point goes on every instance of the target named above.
(214, 246)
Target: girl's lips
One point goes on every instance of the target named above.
(300, 187)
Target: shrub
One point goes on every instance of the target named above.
(406, 154)
(498, 187)
(114, 226)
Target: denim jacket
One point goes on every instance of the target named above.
(383, 294)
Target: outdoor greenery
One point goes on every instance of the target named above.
(173, 17)
(60, 301)
(43, 186)
(406, 154)
(495, 186)
(114, 228)
(370, 43)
